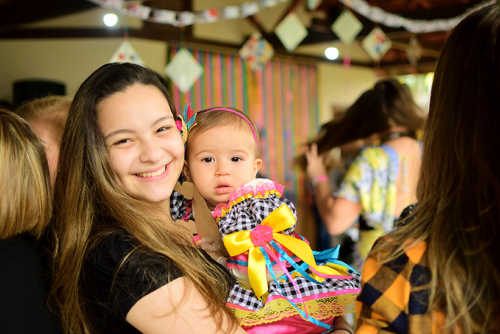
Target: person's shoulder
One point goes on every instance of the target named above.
(109, 249)
(21, 246)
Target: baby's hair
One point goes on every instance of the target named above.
(209, 118)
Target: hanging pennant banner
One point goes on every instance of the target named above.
(164, 16)
(126, 54)
(380, 16)
(249, 8)
(230, 12)
(184, 18)
(206, 16)
(137, 10)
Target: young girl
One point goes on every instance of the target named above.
(121, 264)
(283, 287)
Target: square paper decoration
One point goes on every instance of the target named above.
(126, 53)
(256, 51)
(291, 32)
(376, 44)
(183, 70)
(313, 4)
(347, 27)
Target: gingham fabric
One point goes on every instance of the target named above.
(246, 215)
(247, 299)
(179, 207)
(393, 298)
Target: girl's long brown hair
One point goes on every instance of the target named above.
(86, 191)
(458, 212)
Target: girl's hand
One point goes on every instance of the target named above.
(315, 166)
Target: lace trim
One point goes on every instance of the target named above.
(279, 309)
(245, 192)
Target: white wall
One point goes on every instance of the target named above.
(67, 60)
(341, 86)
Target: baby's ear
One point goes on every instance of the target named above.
(257, 165)
(185, 171)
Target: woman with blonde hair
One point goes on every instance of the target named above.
(440, 271)
(25, 208)
(121, 264)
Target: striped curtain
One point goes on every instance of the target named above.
(281, 99)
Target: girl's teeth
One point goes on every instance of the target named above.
(158, 172)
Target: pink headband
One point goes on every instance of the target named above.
(190, 118)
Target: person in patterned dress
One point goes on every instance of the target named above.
(381, 180)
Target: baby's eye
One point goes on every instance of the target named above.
(208, 159)
(236, 159)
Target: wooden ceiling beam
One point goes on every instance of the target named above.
(169, 35)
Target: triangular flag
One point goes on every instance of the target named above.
(126, 54)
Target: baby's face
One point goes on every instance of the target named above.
(222, 159)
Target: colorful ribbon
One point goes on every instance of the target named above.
(257, 241)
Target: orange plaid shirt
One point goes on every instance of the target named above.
(392, 299)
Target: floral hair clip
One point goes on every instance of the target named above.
(189, 117)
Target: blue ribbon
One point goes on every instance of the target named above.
(302, 313)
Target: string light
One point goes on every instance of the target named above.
(110, 19)
(331, 53)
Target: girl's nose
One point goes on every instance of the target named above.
(150, 152)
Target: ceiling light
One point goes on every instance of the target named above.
(110, 19)
(331, 53)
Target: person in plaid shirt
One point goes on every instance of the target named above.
(439, 271)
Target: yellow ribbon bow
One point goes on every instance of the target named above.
(279, 220)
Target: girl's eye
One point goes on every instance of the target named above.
(236, 159)
(209, 159)
(163, 128)
(122, 141)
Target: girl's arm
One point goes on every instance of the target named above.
(176, 307)
(337, 214)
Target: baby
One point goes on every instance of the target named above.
(281, 283)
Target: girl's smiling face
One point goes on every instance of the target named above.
(145, 148)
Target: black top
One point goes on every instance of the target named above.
(23, 288)
(107, 302)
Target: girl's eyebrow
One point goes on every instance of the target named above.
(159, 120)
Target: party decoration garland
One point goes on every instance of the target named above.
(380, 16)
(185, 18)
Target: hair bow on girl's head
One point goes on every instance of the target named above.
(189, 117)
